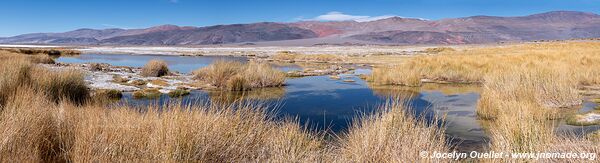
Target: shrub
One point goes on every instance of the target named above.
(155, 68)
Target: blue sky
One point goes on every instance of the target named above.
(27, 16)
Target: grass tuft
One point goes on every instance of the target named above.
(236, 76)
(150, 93)
(155, 68)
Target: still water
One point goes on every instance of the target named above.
(322, 103)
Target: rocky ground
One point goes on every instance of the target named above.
(128, 79)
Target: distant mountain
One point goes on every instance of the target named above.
(394, 30)
(220, 34)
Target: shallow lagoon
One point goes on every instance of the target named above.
(322, 103)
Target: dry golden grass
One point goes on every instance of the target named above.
(236, 76)
(63, 85)
(547, 88)
(392, 135)
(150, 93)
(290, 56)
(35, 128)
(472, 65)
(438, 50)
(155, 68)
(34, 51)
(12, 54)
(44, 59)
(523, 87)
(384, 76)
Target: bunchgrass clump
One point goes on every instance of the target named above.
(138, 82)
(66, 85)
(56, 85)
(294, 57)
(155, 68)
(392, 135)
(179, 93)
(150, 93)
(43, 59)
(119, 79)
(236, 76)
(108, 94)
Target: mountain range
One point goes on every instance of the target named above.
(394, 30)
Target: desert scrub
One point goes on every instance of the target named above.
(179, 93)
(236, 76)
(155, 68)
(150, 93)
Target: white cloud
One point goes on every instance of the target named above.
(339, 16)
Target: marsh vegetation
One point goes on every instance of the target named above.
(52, 115)
(524, 87)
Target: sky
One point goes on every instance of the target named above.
(29, 16)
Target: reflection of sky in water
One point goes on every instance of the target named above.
(317, 101)
(184, 64)
(321, 102)
(460, 117)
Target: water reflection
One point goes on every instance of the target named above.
(229, 97)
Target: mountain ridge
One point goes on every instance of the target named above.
(393, 30)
